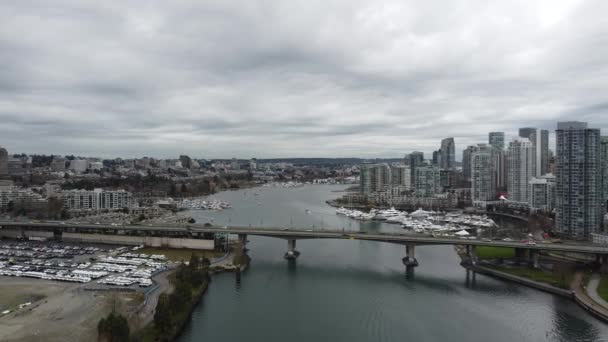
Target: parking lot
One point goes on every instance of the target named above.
(100, 266)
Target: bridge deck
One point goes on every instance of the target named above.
(304, 234)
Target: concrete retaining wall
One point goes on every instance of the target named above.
(140, 240)
(521, 280)
(9, 233)
(100, 238)
(179, 243)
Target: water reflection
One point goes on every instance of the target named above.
(571, 328)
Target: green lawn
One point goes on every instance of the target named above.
(487, 252)
(602, 288)
(552, 278)
(179, 254)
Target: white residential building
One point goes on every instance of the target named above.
(95, 165)
(17, 194)
(483, 175)
(79, 165)
(428, 181)
(520, 156)
(374, 178)
(542, 193)
(400, 176)
(97, 199)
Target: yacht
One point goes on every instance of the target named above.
(342, 211)
(385, 214)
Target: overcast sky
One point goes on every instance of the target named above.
(293, 78)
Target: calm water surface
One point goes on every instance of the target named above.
(343, 290)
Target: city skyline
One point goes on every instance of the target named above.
(340, 79)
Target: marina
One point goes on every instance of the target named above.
(202, 204)
(422, 221)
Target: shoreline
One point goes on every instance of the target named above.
(217, 266)
(580, 300)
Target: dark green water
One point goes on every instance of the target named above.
(342, 290)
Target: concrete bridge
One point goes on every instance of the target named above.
(410, 241)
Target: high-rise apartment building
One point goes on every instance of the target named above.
(374, 178)
(415, 159)
(542, 193)
(483, 175)
(579, 209)
(466, 162)
(604, 157)
(3, 164)
(400, 176)
(447, 154)
(428, 181)
(540, 142)
(501, 169)
(497, 140)
(520, 157)
(436, 157)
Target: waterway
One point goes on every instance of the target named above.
(347, 290)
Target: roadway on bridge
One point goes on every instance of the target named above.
(310, 234)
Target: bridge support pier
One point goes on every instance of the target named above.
(410, 256)
(520, 255)
(533, 258)
(243, 241)
(471, 254)
(602, 261)
(292, 253)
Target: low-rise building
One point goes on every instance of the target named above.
(599, 238)
(79, 165)
(148, 212)
(17, 194)
(97, 199)
(58, 165)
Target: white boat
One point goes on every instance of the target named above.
(420, 213)
(388, 213)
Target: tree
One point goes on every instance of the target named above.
(55, 206)
(184, 188)
(195, 262)
(162, 314)
(10, 206)
(113, 328)
(172, 189)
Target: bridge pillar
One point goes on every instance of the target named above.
(410, 256)
(292, 253)
(471, 254)
(534, 258)
(520, 255)
(603, 262)
(243, 241)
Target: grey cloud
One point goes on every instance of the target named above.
(278, 79)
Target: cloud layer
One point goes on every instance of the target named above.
(293, 78)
